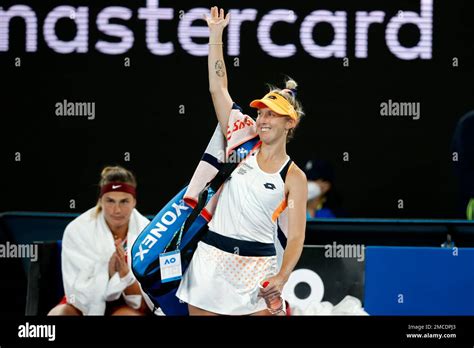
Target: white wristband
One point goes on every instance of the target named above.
(128, 280)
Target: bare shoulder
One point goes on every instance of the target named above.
(295, 177)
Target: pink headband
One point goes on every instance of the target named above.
(118, 187)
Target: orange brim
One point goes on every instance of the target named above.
(267, 103)
(276, 103)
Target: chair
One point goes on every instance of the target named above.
(45, 282)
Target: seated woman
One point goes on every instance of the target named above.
(96, 248)
(323, 200)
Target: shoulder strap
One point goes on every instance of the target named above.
(209, 190)
(224, 172)
(285, 169)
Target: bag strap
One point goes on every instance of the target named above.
(211, 187)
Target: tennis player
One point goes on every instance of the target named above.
(235, 270)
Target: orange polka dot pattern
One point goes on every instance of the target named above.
(244, 273)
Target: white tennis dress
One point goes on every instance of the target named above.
(226, 282)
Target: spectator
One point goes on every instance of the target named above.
(323, 201)
(96, 248)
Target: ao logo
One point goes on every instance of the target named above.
(170, 261)
(309, 277)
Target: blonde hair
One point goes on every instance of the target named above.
(289, 93)
(114, 174)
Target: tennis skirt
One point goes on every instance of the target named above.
(225, 282)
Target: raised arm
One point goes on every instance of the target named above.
(217, 71)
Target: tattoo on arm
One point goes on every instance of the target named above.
(220, 68)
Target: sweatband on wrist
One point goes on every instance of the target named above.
(128, 280)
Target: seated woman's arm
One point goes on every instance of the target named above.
(132, 293)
